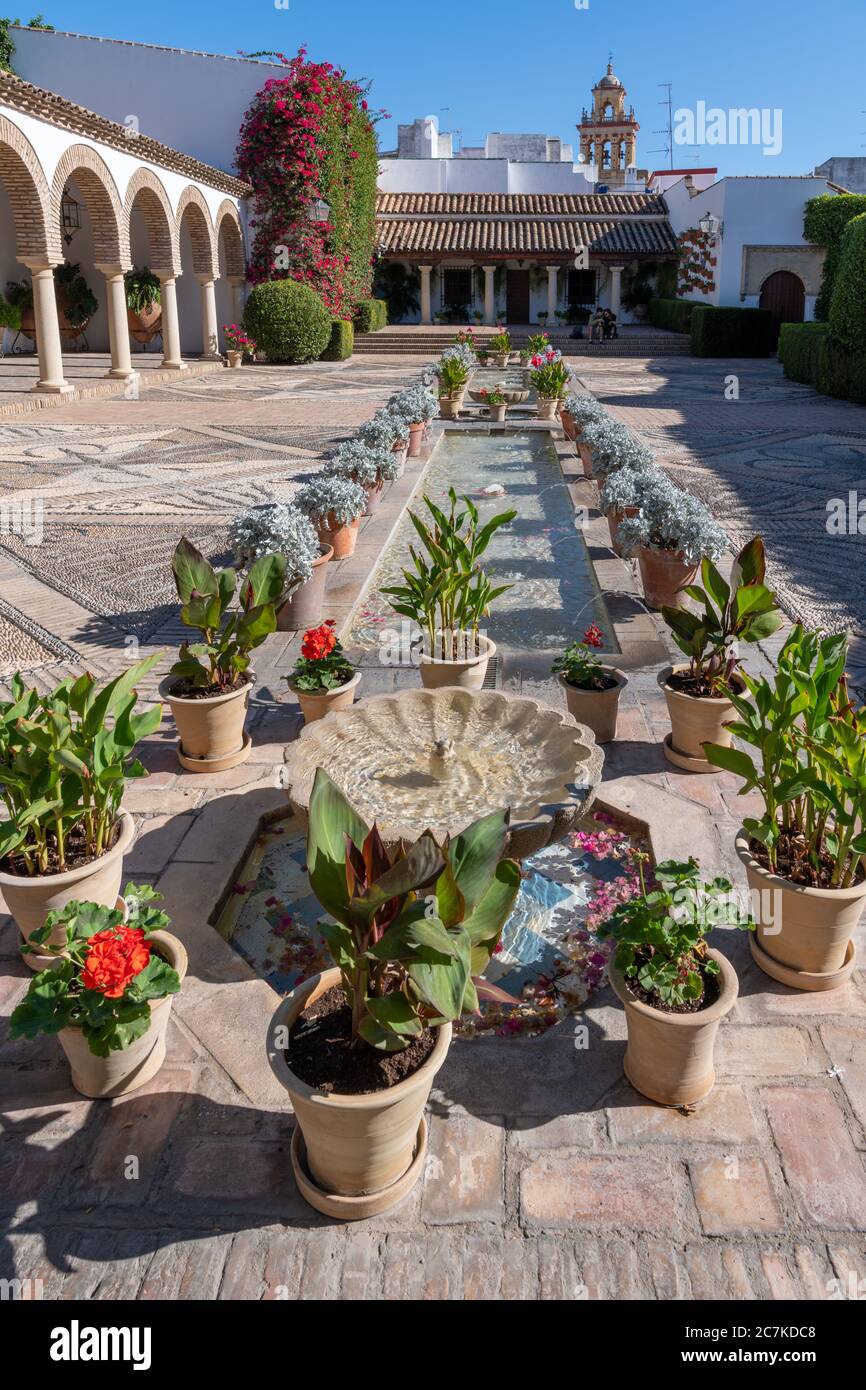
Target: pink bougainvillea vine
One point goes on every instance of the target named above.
(310, 136)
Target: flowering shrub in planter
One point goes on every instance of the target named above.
(592, 690)
(549, 376)
(237, 340)
(322, 665)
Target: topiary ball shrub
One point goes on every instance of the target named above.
(848, 305)
(342, 342)
(288, 321)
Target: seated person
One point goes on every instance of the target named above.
(596, 325)
(609, 323)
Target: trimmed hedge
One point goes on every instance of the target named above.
(824, 225)
(288, 321)
(721, 332)
(342, 343)
(848, 305)
(372, 315)
(10, 315)
(810, 354)
(674, 314)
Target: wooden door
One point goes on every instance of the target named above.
(517, 296)
(785, 297)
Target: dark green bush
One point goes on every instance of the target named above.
(342, 341)
(810, 354)
(371, 316)
(10, 315)
(288, 321)
(848, 305)
(722, 332)
(824, 225)
(673, 314)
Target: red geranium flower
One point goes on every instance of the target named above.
(319, 642)
(113, 959)
(593, 636)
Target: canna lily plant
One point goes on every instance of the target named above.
(413, 930)
(743, 610)
(809, 763)
(447, 592)
(64, 759)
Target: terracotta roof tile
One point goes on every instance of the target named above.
(517, 236)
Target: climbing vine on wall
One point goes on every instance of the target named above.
(307, 136)
(697, 265)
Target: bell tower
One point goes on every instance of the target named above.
(608, 134)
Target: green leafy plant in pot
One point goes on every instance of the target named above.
(592, 689)
(410, 933)
(453, 376)
(448, 594)
(675, 989)
(143, 303)
(730, 613)
(209, 686)
(107, 994)
(65, 757)
(804, 856)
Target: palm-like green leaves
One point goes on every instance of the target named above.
(414, 929)
(64, 758)
(206, 595)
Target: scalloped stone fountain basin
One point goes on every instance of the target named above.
(440, 759)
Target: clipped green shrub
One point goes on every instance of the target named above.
(800, 349)
(824, 225)
(288, 321)
(673, 314)
(10, 315)
(722, 332)
(372, 315)
(342, 342)
(848, 305)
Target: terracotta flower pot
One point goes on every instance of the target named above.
(315, 704)
(546, 410)
(129, 1068)
(340, 538)
(497, 412)
(416, 439)
(361, 1154)
(146, 324)
(29, 900)
(304, 607)
(501, 359)
(614, 521)
(449, 407)
(235, 357)
(468, 673)
(567, 423)
(695, 720)
(374, 497)
(597, 708)
(210, 730)
(669, 1057)
(664, 576)
(804, 936)
(586, 459)
(399, 451)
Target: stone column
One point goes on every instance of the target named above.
(171, 354)
(237, 283)
(426, 316)
(552, 273)
(489, 296)
(615, 288)
(51, 378)
(118, 330)
(209, 331)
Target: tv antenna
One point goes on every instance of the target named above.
(667, 130)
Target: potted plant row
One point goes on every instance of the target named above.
(107, 992)
(453, 376)
(371, 466)
(729, 614)
(386, 431)
(804, 855)
(64, 759)
(208, 688)
(324, 679)
(416, 405)
(447, 593)
(358, 1047)
(500, 347)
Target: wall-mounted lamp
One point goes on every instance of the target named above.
(711, 225)
(70, 216)
(319, 210)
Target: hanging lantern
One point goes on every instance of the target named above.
(70, 216)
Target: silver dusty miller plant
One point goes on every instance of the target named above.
(277, 528)
(326, 495)
(674, 521)
(612, 446)
(415, 404)
(362, 463)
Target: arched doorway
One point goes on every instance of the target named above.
(784, 294)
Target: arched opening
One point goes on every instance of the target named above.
(153, 245)
(26, 227)
(86, 209)
(784, 294)
(232, 265)
(196, 245)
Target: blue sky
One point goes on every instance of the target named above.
(529, 64)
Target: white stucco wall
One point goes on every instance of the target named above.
(191, 101)
(479, 176)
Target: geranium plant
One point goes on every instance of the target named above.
(221, 659)
(322, 665)
(64, 758)
(237, 340)
(494, 397)
(549, 378)
(660, 933)
(106, 976)
(809, 762)
(578, 664)
(413, 929)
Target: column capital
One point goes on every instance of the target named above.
(425, 268)
(111, 269)
(39, 266)
(205, 277)
(488, 269)
(239, 280)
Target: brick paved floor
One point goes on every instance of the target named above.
(548, 1176)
